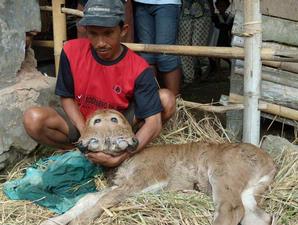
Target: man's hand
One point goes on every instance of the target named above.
(106, 159)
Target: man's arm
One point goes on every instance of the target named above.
(147, 107)
(72, 110)
(149, 130)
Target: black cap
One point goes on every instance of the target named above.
(103, 13)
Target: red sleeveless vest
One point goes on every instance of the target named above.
(99, 86)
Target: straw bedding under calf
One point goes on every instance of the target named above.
(166, 208)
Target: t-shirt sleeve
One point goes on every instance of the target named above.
(64, 84)
(146, 96)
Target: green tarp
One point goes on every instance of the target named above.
(57, 182)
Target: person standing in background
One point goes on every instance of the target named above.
(223, 23)
(156, 22)
(194, 29)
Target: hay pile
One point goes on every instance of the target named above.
(167, 207)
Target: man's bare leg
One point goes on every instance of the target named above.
(168, 102)
(47, 127)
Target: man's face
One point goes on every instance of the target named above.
(106, 40)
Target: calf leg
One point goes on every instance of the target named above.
(128, 187)
(229, 209)
(254, 214)
(228, 213)
(111, 198)
(85, 203)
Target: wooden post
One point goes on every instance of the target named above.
(59, 30)
(252, 74)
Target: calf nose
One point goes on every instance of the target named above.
(93, 144)
(92, 141)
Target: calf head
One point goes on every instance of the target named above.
(107, 131)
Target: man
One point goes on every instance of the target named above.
(98, 72)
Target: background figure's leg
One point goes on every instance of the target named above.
(202, 32)
(184, 38)
(144, 28)
(166, 27)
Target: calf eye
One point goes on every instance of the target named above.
(96, 121)
(114, 120)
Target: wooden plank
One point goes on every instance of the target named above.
(288, 66)
(239, 42)
(286, 9)
(282, 120)
(272, 75)
(274, 29)
(275, 92)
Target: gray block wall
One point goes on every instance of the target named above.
(16, 18)
(21, 84)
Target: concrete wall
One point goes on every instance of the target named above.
(16, 18)
(21, 85)
(286, 9)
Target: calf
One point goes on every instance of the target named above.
(234, 174)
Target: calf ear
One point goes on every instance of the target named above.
(81, 147)
(133, 147)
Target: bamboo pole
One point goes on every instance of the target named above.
(288, 66)
(222, 52)
(209, 107)
(252, 71)
(74, 12)
(268, 107)
(59, 30)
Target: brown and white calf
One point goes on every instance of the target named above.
(234, 174)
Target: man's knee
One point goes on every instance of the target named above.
(168, 101)
(32, 120)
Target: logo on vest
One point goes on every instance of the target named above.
(117, 89)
